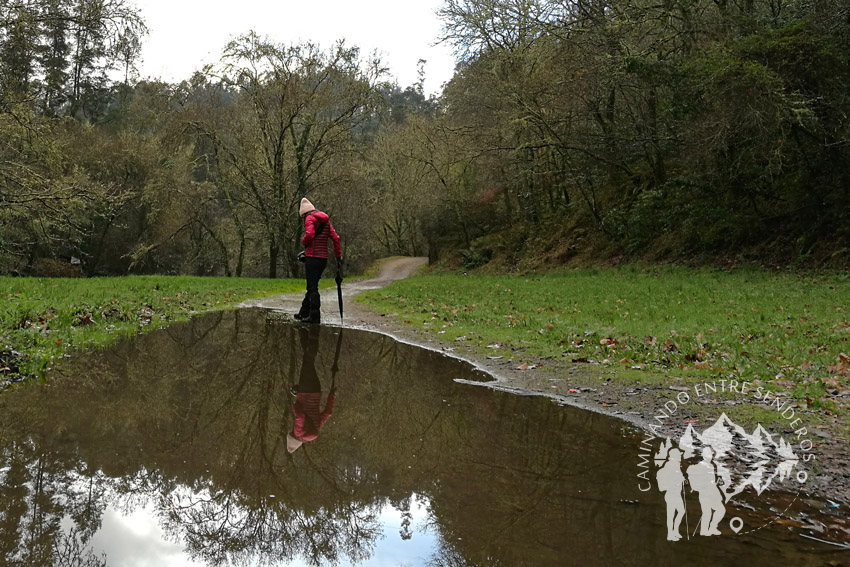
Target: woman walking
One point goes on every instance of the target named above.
(317, 231)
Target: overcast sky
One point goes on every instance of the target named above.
(186, 34)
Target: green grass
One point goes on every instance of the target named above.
(42, 319)
(790, 331)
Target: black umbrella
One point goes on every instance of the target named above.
(338, 280)
(335, 367)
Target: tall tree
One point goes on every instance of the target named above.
(298, 105)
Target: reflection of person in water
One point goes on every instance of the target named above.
(671, 482)
(703, 479)
(308, 394)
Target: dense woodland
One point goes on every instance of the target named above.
(571, 130)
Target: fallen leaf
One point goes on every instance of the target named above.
(840, 369)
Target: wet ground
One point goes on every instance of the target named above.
(600, 389)
(171, 449)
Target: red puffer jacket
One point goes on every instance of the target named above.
(317, 229)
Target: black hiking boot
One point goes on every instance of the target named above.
(312, 319)
(304, 312)
(315, 302)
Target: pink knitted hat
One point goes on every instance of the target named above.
(306, 207)
(292, 443)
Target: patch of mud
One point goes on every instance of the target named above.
(10, 367)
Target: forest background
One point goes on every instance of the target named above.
(573, 132)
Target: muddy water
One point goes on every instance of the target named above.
(171, 449)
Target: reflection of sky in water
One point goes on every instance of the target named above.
(137, 540)
(524, 482)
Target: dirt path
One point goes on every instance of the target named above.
(575, 385)
(392, 270)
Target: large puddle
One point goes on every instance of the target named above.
(171, 449)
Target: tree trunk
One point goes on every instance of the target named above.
(433, 249)
(274, 252)
(241, 258)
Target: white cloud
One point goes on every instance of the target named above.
(136, 540)
(186, 34)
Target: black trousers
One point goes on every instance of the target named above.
(312, 303)
(308, 379)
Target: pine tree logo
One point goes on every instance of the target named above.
(718, 464)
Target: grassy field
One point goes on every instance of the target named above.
(788, 331)
(42, 319)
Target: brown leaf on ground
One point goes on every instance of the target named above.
(650, 340)
(697, 355)
(844, 357)
(839, 369)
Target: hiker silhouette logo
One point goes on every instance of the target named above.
(730, 461)
(720, 465)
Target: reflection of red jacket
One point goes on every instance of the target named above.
(317, 246)
(308, 421)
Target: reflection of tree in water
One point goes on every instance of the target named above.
(36, 492)
(193, 422)
(224, 529)
(446, 555)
